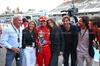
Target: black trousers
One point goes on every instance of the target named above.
(54, 59)
(73, 58)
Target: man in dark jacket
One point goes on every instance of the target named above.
(69, 33)
(83, 41)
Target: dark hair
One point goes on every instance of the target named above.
(95, 20)
(24, 20)
(27, 27)
(85, 20)
(53, 21)
(66, 16)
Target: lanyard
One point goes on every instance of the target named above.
(31, 35)
(83, 34)
(17, 34)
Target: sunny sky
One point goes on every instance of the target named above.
(24, 5)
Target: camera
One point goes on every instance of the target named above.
(71, 11)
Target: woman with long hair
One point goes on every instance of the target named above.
(29, 44)
(57, 41)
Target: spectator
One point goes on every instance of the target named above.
(84, 40)
(57, 41)
(26, 19)
(37, 23)
(11, 40)
(69, 35)
(29, 44)
(24, 22)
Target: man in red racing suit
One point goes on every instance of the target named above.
(44, 56)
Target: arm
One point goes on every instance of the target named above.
(4, 39)
(36, 36)
(62, 42)
(76, 20)
(74, 38)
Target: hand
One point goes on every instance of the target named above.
(60, 53)
(76, 23)
(93, 43)
(39, 44)
(15, 49)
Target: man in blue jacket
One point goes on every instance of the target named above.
(83, 42)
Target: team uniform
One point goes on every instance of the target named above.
(44, 56)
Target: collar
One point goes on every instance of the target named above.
(15, 27)
(18, 31)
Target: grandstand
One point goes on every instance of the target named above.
(85, 7)
(80, 4)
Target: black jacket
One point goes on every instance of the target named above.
(27, 39)
(91, 38)
(57, 40)
(69, 38)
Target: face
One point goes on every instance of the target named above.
(31, 26)
(66, 22)
(43, 22)
(18, 22)
(91, 25)
(50, 24)
(80, 22)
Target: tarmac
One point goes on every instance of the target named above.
(60, 62)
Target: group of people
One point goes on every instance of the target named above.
(65, 39)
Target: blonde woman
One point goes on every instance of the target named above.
(29, 44)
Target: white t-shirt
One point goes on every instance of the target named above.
(83, 42)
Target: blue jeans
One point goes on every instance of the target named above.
(73, 58)
(10, 55)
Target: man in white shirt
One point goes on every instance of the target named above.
(12, 41)
(84, 42)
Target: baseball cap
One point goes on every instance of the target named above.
(43, 18)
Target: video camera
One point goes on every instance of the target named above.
(71, 12)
